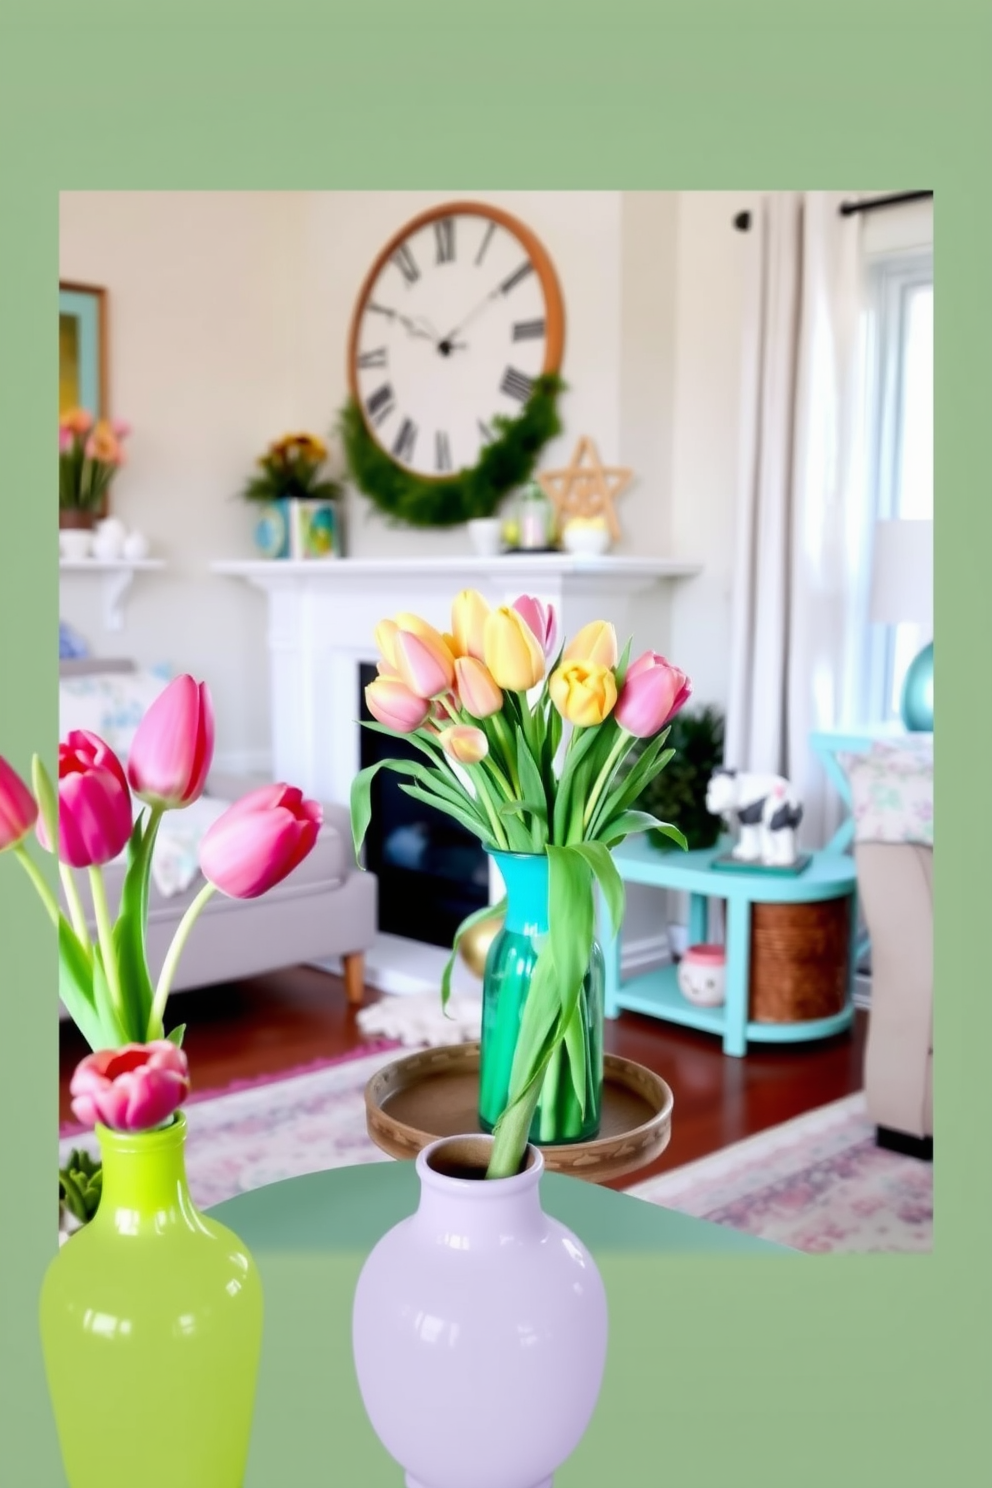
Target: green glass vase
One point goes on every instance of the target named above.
(559, 1117)
(151, 1327)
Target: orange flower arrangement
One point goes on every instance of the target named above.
(90, 454)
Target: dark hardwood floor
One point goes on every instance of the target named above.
(273, 1023)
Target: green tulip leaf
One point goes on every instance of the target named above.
(517, 808)
(113, 1031)
(575, 1045)
(176, 1035)
(607, 875)
(129, 931)
(650, 763)
(630, 822)
(620, 670)
(462, 812)
(76, 986)
(581, 742)
(487, 912)
(48, 801)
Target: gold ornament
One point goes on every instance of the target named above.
(587, 487)
(474, 944)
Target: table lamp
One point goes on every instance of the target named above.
(902, 593)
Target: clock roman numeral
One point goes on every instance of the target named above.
(442, 451)
(486, 432)
(405, 440)
(528, 330)
(405, 262)
(444, 237)
(516, 385)
(525, 268)
(376, 358)
(380, 404)
(485, 243)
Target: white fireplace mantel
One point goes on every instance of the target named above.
(322, 615)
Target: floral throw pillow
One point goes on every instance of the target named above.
(892, 791)
(110, 704)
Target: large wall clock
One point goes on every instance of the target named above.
(458, 316)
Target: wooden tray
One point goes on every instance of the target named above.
(435, 1093)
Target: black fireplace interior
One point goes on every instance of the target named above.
(431, 871)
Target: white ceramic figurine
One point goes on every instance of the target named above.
(766, 810)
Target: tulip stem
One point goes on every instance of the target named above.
(499, 723)
(75, 906)
(34, 874)
(106, 937)
(482, 791)
(172, 961)
(623, 742)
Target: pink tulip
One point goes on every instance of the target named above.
(120, 428)
(174, 745)
(652, 693)
(425, 666)
(395, 706)
(66, 440)
(95, 810)
(477, 691)
(133, 1088)
(542, 620)
(259, 840)
(18, 807)
(465, 744)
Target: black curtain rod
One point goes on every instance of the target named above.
(742, 221)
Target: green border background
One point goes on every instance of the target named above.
(860, 1370)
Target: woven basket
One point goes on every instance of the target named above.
(799, 960)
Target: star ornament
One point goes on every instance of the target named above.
(586, 487)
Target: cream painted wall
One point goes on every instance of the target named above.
(229, 315)
(202, 346)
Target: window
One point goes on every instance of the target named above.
(899, 351)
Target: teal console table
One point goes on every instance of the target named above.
(830, 875)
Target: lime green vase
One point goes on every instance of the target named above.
(151, 1326)
(560, 1117)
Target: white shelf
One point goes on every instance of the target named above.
(116, 576)
(274, 572)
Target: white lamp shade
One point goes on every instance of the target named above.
(902, 574)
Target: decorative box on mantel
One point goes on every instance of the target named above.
(322, 617)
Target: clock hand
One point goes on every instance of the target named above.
(503, 287)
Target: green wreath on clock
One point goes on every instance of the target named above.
(507, 461)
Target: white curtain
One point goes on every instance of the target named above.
(803, 526)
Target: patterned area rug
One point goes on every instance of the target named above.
(818, 1183)
(259, 1132)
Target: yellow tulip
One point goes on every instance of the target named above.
(511, 651)
(596, 642)
(385, 639)
(583, 692)
(406, 621)
(469, 612)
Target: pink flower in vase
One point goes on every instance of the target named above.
(259, 841)
(133, 1088)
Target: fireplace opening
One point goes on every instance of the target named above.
(431, 871)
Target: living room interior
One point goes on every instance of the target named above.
(755, 368)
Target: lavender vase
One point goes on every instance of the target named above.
(479, 1328)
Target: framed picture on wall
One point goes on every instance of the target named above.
(83, 348)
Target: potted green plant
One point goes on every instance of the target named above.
(297, 496)
(678, 793)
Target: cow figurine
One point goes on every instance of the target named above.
(767, 812)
